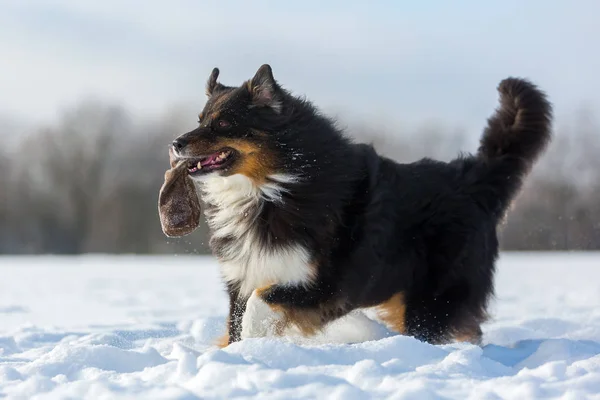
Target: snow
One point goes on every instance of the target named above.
(106, 327)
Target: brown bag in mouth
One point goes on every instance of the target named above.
(178, 204)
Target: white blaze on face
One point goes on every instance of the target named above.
(237, 202)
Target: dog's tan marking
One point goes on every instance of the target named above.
(393, 313)
(223, 341)
(470, 334)
(256, 162)
(308, 321)
(261, 290)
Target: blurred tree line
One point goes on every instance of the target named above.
(90, 183)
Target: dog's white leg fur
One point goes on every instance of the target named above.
(355, 327)
(259, 319)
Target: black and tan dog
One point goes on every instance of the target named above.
(315, 226)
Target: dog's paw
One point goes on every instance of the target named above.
(260, 319)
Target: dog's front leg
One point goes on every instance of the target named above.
(272, 309)
(260, 320)
(237, 308)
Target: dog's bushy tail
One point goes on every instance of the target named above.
(515, 136)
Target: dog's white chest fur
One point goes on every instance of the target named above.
(236, 204)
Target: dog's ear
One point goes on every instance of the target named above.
(178, 204)
(264, 89)
(212, 84)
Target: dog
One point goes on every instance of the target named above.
(311, 225)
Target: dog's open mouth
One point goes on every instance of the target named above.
(218, 160)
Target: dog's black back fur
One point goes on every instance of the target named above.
(426, 229)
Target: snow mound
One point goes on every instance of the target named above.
(131, 328)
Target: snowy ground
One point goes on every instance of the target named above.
(131, 327)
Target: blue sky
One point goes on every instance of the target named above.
(405, 61)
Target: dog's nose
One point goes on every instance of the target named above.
(179, 143)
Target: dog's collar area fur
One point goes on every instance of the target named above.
(249, 256)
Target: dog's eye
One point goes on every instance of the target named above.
(224, 124)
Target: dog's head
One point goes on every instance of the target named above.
(235, 128)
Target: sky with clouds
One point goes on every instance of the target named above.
(402, 60)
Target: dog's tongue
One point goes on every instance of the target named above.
(212, 159)
(216, 158)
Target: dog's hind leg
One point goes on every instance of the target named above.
(471, 334)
